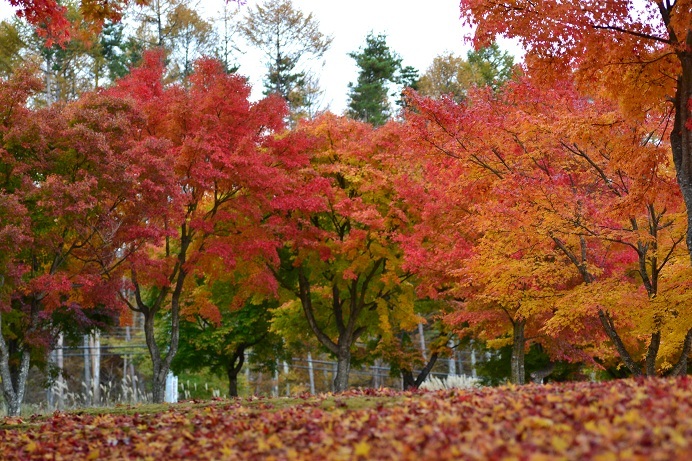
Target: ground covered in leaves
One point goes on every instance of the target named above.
(644, 419)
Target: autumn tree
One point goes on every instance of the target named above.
(489, 261)
(499, 273)
(620, 229)
(289, 40)
(451, 74)
(574, 176)
(11, 44)
(177, 27)
(341, 263)
(227, 183)
(71, 178)
(87, 60)
(642, 230)
(51, 22)
(635, 53)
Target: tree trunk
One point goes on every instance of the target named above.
(518, 345)
(233, 370)
(347, 333)
(423, 349)
(87, 368)
(680, 368)
(343, 368)
(14, 382)
(162, 364)
(160, 367)
(13, 378)
(232, 384)
(451, 362)
(681, 136)
(652, 353)
(158, 384)
(414, 383)
(612, 333)
(376, 378)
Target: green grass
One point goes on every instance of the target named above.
(327, 402)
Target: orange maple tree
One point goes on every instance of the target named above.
(556, 191)
(637, 53)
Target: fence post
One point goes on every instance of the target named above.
(311, 374)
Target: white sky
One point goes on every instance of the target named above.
(418, 31)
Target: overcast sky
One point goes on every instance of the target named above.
(417, 30)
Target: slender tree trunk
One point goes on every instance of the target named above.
(376, 375)
(13, 378)
(680, 368)
(232, 383)
(603, 316)
(87, 368)
(14, 382)
(612, 333)
(474, 374)
(414, 383)
(452, 362)
(233, 370)
(518, 345)
(60, 384)
(423, 349)
(681, 135)
(232, 373)
(158, 384)
(652, 353)
(275, 381)
(342, 349)
(287, 370)
(343, 368)
(162, 364)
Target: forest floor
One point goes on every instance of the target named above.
(645, 419)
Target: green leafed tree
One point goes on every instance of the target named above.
(380, 69)
(120, 52)
(220, 342)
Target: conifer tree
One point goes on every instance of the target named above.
(380, 69)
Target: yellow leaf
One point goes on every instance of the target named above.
(362, 448)
(559, 444)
